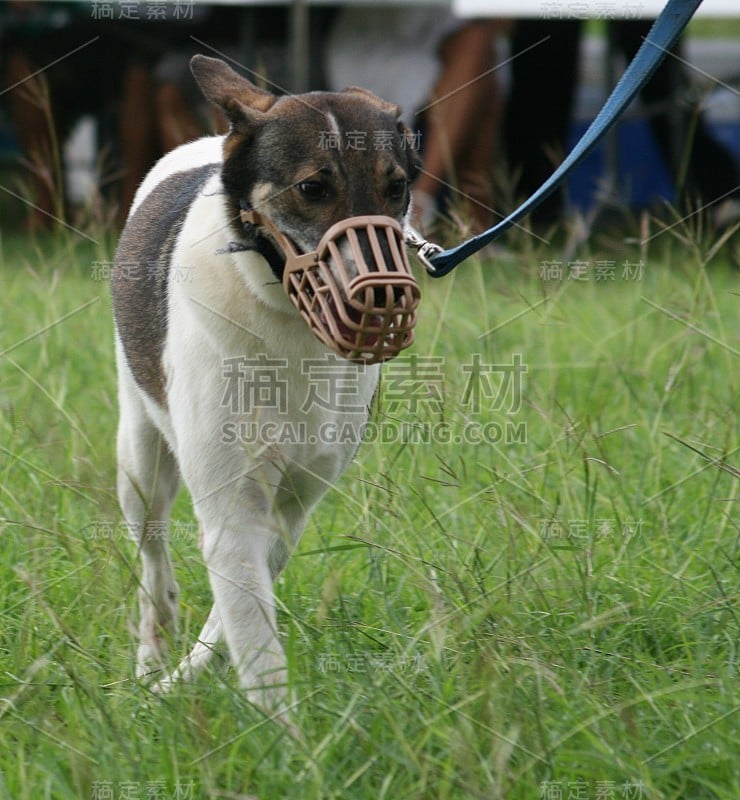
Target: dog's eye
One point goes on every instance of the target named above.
(313, 190)
(397, 189)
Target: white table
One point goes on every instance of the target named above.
(585, 9)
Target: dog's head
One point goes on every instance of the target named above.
(299, 165)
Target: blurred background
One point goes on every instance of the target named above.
(92, 93)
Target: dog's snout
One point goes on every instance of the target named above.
(379, 254)
(374, 261)
(374, 249)
(357, 291)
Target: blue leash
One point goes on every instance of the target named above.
(663, 35)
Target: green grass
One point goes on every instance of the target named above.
(552, 613)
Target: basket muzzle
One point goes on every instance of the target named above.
(356, 290)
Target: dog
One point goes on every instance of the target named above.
(205, 333)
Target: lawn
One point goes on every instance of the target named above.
(523, 588)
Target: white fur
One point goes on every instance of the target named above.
(251, 499)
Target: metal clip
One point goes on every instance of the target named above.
(424, 249)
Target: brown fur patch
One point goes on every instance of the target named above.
(141, 272)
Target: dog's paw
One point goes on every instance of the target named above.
(275, 705)
(157, 629)
(149, 662)
(163, 686)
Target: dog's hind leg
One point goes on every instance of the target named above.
(206, 646)
(148, 480)
(200, 656)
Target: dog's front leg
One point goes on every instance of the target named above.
(240, 530)
(242, 587)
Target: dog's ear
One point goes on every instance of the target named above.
(384, 105)
(240, 99)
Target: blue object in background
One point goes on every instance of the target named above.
(642, 176)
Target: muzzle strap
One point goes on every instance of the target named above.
(264, 246)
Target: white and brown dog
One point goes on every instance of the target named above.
(195, 290)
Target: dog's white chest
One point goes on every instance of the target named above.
(263, 390)
(308, 408)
